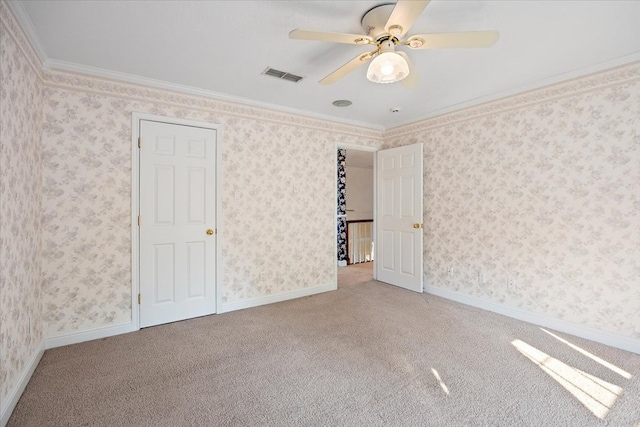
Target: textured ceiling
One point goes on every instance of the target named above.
(223, 46)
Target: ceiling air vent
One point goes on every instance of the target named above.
(281, 75)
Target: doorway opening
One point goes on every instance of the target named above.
(355, 215)
(398, 232)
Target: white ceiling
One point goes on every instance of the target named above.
(223, 46)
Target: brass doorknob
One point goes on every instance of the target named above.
(416, 225)
(210, 232)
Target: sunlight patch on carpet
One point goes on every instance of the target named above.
(593, 357)
(597, 395)
(442, 384)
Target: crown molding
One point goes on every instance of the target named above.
(82, 77)
(586, 79)
(626, 72)
(20, 28)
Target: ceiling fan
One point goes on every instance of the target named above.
(385, 26)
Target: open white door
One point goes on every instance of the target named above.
(177, 222)
(399, 217)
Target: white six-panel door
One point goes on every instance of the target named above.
(399, 232)
(177, 222)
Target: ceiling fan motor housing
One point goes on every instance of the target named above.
(387, 44)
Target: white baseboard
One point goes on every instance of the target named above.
(12, 398)
(88, 335)
(108, 331)
(603, 337)
(270, 299)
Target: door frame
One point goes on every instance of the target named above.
(135, 205)
(355, 147)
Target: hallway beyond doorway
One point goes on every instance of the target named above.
(355, 274)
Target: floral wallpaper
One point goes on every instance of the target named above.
(536, 205)
(342, 204)
(278, 189)
(21, 326)
(532, 201)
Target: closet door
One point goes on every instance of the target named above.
(177, 222)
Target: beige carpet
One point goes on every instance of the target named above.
(355, 274)
(367, 354)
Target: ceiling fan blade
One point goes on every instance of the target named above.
(330, 37)
(454, 40)
(348, 67)
(413, 79)
(404, 15)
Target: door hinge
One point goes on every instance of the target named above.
(138, 299)
(139, 220)
(139, 142)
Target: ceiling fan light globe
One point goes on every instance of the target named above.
(388, 67)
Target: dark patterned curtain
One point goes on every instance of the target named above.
(342, 205)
